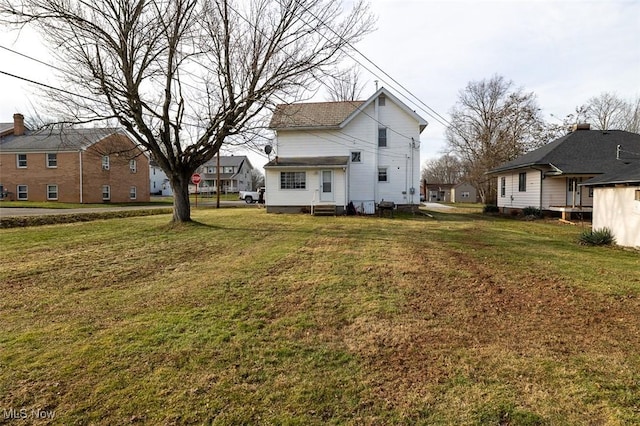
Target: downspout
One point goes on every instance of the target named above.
(346, 171)
(81, 171)
(377, 151)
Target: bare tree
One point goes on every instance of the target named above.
(631, 116)
(257, 179)
(606, 111)
(345, 85)
(493, 123)
(184, 77)
(446, 169)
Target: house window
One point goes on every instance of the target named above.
(503, 186)
(382, 100)
(382, 174)
(356, 156)
(2, 193)
(132, 193)
(227, 169)
(23, 192)
(106, 192)
(382, 137)
(211, 169)
(105, 162)
(133, 166)
(52, 192)
(465, 194)
(52, 160)
(522, 182)
(637, 194)
(293, 180)
(21, 160)
(591, 192)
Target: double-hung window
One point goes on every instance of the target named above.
(52, 192)
(522, 182)
(105, 162)
(503, 186)
(382, 174)
(23, 192)
(21, 161)
(52, 160)
(382, 137)
(133, 192)
(133, 166)
(106, 192)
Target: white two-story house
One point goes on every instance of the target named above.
(336, 153)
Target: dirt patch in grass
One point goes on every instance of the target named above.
(517, 339)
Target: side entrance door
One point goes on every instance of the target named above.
(573, 191)
(326, 185)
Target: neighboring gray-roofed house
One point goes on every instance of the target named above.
(71, 165)
(235, 174)
(550, 178)
(616, 202)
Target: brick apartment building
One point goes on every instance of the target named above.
(71, 165)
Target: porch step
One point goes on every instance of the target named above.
(324, 210)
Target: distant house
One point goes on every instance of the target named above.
(549, 178)
(439, 192)
(464, 192)
(158, 180)
(329, 154)
(616, 203)
(235, 174)
(71, 165)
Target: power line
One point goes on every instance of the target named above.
(434, 114)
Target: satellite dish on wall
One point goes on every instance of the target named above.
(268, 149)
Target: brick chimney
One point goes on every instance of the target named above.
(581, 126)
(18, 124)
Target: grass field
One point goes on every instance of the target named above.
(250, 318)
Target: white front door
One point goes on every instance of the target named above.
(573, 191)
(326, 185)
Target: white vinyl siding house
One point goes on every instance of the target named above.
(619, 210)
(354, 150)
(616, 203)
(555, 173)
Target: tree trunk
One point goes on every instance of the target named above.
(181, 203)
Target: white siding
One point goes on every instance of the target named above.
(617, 209)
(303, 197)
(513, 197)
(361, 134)
(554, 192)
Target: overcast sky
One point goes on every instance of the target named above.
(565, 51)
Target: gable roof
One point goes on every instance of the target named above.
(229, 160)
(55, 140)
(580, 152)
(6, 128)
(312, 114)
(330, 115)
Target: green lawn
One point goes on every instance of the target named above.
(254, 318)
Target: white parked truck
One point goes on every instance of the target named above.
(250, 197)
